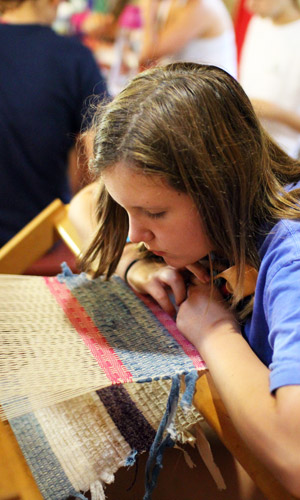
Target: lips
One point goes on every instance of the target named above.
(156, 252)
(160, 254)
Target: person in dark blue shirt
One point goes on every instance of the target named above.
(46, 80)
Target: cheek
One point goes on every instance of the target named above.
(189, 240)
(198, 240)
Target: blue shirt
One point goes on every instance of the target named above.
(45, 80)
(273, 330)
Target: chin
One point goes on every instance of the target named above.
(176, 263)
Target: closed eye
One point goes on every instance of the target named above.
(155, 215)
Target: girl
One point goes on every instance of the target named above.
(189, 172)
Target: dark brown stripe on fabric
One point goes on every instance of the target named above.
(130, 421)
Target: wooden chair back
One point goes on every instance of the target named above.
(37, 237)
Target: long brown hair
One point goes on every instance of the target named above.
(194, 126)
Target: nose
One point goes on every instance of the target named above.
(138, 232)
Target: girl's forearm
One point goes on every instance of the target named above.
(272, 111)
(291, 119)
(243, 384)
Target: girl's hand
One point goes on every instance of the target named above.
(158, 280)
(200, 272)
(204, 315)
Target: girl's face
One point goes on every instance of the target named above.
(166, 221)
(269, 8)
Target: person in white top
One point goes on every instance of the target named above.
(270, 69)
(188, 30)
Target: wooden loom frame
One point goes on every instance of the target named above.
(16, 482)
(37, 237)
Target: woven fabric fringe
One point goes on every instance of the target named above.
(160, 442)
(97, 491)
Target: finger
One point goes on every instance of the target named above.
(205, 290)
(159, 293)
(176, 282)
(199, 289)
(200, 272)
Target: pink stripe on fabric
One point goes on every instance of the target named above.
(170, 325)
(104, 354)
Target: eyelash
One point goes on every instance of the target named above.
(156, 215)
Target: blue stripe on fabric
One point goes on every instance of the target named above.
(143, 344)
(45, 467)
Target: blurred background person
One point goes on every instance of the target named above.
(125, 56)
(102, 21)
(110, 28)
(46, 80)
(270, 68)
(188, 30)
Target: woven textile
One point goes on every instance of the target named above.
(79, 444)
(86, 372)
(64, 336)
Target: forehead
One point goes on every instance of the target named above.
(128, 186)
